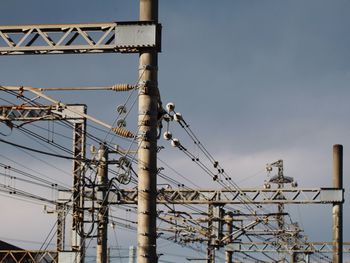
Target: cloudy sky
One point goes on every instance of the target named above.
(257, 81)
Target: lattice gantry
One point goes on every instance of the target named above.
(129, 37)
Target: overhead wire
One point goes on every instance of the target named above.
(216, 164)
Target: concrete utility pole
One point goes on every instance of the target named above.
(147, 153)
(102, 181)
(210, 247)
(337, 211)
(229, 224)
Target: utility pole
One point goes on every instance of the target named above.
(147, 153)
(229, 225)
(337, 211)
(210, 247)
(102, 181)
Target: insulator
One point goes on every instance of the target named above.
(92, 149)
(175, 142)
(268, 168)
(123, 132)
(295, 184)
(122, 87)
(121, 123)
(267, 186)
(167, 117)
(167, 135)
(121, 109)
(216, 163)
(123, 161)
(170, 107)
(178, 117)
(124, 178)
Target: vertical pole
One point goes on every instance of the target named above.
(293, 258)
(307, 258)
(147, 153)
(210, 247)
(102, 181)
(78, 239)
(132, 254)
(229, 223)
(61, 223)
(337, 211)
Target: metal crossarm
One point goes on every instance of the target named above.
(127, 37)
(273, 247)
(252, 196)
(35, 113)
(28, 256)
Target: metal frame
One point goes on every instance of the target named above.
(79, 149)
(71, 113)
(228, 196)
(127, 37)
(273, 247)
(18, 256)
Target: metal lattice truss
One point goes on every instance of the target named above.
(36, 113)
(20, 111)
(233, 196)
(274, 247)
(127, 37)
(15, 256)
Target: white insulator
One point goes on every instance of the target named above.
(170, 107)
(267, 186)
(178, 117)
(175, 142)
(167, 135)
(92, 149)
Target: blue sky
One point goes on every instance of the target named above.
(257, 80)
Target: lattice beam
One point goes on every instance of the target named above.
(273, 247)
(246, 196)
(36, 113)
(126, 37)
(19, 256)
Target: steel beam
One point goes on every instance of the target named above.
(274, 247)
(127, 37)
(242, 196)
(39, 113)
(18, 256)
(79, 152)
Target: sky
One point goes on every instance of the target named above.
(256, 80)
